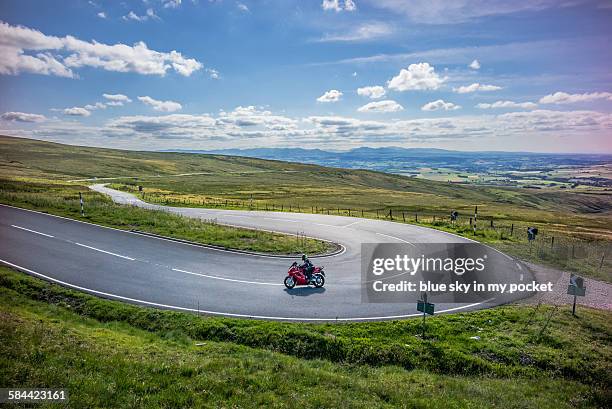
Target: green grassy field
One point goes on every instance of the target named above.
(110, 354)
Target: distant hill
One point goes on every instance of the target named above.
(400, 160)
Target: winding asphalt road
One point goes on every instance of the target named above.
(161, 273)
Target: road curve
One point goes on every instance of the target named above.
(151, 271)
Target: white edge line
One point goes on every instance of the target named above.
(104, 251)
(223, 278)
(227, 314)
(32, 231)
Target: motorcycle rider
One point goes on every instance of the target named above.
(307, 267)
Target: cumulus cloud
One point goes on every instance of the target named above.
(332, 95)
(76, 111)
(171, 3)
(416, 77)
(475, 65)
(22, 117)
(101, 14)
(476, 87)
(381, 106)
(26, 50)
(251, 116)
(373, 92)
(565, 98)
(164, 106)
(338, 5)
(212, 73)
(149, 14)
(440, 104)
(117, 98)
(242, 7)
(507, 104)
(97, 105)
(363, 32)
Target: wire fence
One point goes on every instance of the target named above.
(562, 250)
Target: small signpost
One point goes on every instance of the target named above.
(82, 208)
(475, 218)
(426, 308)
(532, 232)
(577, 289)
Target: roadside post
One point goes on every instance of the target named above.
(426, 308)
(577, 289)
(82, 208)
(475, 218)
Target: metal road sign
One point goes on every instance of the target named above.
(425, 307)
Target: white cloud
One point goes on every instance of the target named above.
(363, 32)
(212, 73)
(338, 5)
(373, 92)
(381, 106)
(164, 106)
(565, 98)
(332, 95)
(149, 14)
(476, 87)
(101, 14)
(440, 104)
(76, 111)
(475, 65)
(26, 50)
(171, 3)
(416, 77)
(117, 98)
(22, 117)
(354, 74)
(507, 104)
(97, 105)
(242, 7)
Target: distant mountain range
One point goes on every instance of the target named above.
(406, 160)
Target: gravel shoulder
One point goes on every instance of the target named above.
(598, 293)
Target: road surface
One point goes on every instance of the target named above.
(161, 273)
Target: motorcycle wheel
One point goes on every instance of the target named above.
(289, 282)
(319, 281)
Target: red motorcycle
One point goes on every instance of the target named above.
(296, 276)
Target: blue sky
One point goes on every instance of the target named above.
(158, 74)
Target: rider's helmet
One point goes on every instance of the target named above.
(304, 257)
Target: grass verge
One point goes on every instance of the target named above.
(510, 348)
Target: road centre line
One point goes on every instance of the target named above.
(32, 231)
(104, 251)
(396, 238)
(223, 278)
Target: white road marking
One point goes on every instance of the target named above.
(104, 251)
(228, 314)
(32, 231)
(350, 224)
(396, 238)
(519, 266)
(223, 278)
